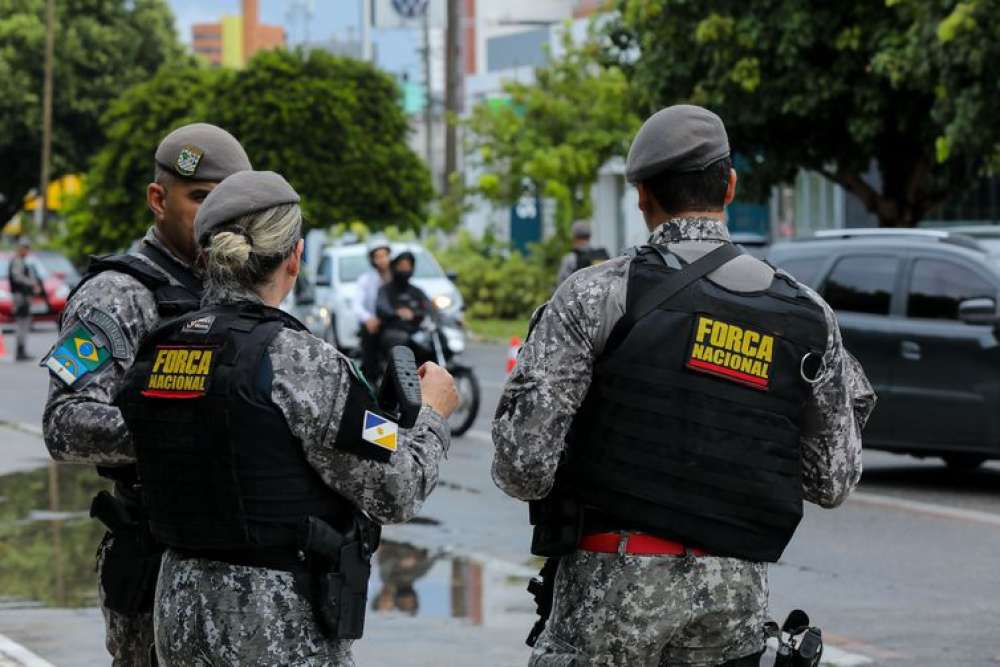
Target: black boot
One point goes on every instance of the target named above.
(22, 354)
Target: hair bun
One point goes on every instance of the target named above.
(229, 251)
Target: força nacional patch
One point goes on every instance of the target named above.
(180, 371)
(731, 352)
(380, 431)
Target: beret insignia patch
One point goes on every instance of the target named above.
(188, 160)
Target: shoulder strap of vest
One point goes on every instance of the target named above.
(674, 283)
(169, 266)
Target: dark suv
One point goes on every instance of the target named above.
(918, 308)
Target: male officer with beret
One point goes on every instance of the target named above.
(669, 412)
(119, 301)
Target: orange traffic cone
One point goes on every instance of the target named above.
(3, 350)
(515, 347)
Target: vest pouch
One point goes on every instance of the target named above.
(558, 525)
(132, 559)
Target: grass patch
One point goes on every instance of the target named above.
(497, 331)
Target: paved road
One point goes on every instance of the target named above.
(905, 573)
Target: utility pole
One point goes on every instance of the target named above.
(43, 185)
(451, 85)
(428, 110)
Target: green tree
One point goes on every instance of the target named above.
(554, 133)
(112, 211)
(332, 126)
(910, 85)
(102, 47)
(335, 129)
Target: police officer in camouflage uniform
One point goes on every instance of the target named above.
(117, 303)
(669, 412)
(267, 466)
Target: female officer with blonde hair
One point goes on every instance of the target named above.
(267, 466)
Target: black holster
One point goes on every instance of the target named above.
(543, 589)
(558, 525)
(339, 570)
(132, 562)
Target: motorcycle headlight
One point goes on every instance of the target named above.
(455, 339)
(443, 301)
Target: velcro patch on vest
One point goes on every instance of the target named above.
(379, 431)
(180, 371)
(731, 352)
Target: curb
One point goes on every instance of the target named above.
(23, 427)
(13, 654)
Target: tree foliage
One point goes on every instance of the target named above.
(101, 47)
(556, 132)
(332, 126)
(832, 87)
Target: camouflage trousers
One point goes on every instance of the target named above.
(212, 613)
(612, 609)
(129, 639)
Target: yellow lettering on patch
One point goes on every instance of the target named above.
(704, 326)
(731, 351)
(766, 348)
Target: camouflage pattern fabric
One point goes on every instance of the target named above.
(215, 613)
(129, 639)
(81, 425)
(211, 613)
(613, 609)
(537, 407)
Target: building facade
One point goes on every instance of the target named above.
(234, 40)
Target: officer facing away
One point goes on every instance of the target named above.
(265, 462)
(24, 284)
(582, 255)
(119, 300)
(669, 412)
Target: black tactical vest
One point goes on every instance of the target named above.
(220, 469)
(171, 301)
(690, 429)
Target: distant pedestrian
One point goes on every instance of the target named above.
(24, 284)
(582, 255)
(369, 284)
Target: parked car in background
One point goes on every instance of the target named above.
(301, 304)
(752, 243)
(918, 308)
(43, 308)
(336, 287)
(59, 266)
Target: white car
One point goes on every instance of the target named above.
(336, 287)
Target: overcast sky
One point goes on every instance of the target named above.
(396, 50)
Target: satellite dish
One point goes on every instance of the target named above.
(410, 9)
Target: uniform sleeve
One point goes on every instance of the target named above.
(841, 403)
(311, 384)
(551, 378)
(81, 425)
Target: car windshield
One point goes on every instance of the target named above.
(350, 267)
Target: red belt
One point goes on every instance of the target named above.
(637, 544)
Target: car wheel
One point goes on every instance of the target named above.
(963, 461)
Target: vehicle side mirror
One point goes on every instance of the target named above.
(452, 275)
(979, 311)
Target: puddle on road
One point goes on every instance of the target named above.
(422, 582)
(47, 541)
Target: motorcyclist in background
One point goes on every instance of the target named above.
(401, 306)
(369, 284)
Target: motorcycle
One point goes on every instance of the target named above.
(441, 338)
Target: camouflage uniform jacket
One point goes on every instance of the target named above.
(618, 609)
(219, 613)
(554, 365)
(81, 424)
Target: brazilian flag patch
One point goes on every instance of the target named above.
(76, 355)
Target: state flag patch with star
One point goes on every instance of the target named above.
(379, 431)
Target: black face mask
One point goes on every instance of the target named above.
(401, 278)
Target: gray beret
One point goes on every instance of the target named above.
(242, 193)
(202, 152)
(680, 138)
(580, 230)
